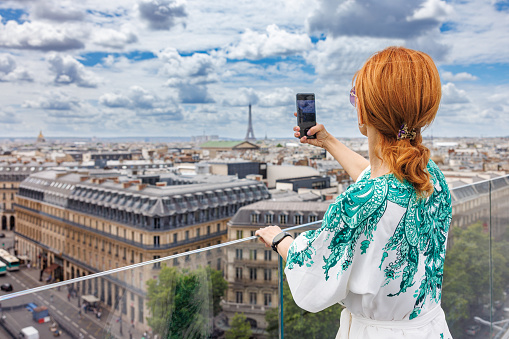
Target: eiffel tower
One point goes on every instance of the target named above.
(250, 134)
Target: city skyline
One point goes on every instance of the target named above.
(146, 68)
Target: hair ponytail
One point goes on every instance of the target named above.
(399, 88)
(407, 160)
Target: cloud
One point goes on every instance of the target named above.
(463, 76)
(8, 118)
(276, 42)
(340, 58)
(400, 19)
(58, 11)
(431, 9)
(38, 36)
(161, 14)
(279, 97)
(57, 101)
(194, 94)
(114, 38)
(198, 68)
(70, 71)
(9, 71)
(241, 97)
(144, 103)
(452, 95)
(114, 100)
(191, 74)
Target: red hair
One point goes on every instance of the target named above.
(394, 87)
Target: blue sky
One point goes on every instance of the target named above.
(176, 68)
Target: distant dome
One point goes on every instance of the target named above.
(40, 138)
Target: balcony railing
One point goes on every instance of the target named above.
(197, 295)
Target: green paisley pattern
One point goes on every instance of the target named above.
(418, 239)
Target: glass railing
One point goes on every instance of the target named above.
(237, 289)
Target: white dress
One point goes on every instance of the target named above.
(380, 253)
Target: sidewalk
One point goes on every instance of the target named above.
(108, 322)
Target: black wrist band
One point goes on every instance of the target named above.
(278, 238)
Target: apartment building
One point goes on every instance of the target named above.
(252, 271)
(11, 175)
(72, 225)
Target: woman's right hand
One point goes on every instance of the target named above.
(319, 130)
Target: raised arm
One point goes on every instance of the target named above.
(351, 161)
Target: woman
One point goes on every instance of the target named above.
(381, 247)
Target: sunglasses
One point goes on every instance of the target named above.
(353, 97)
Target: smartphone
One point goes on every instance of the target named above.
(306, 113)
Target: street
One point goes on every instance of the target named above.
(61, 310)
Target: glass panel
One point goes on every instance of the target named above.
(298, 323)
(195, 294)
(466, 285)
(500, 255)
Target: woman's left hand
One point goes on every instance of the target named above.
(267, 234)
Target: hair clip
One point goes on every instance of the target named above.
(404, 133)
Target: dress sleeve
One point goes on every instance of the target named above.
(320, 262)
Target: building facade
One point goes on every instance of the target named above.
(252, 269)
(11, 175)
(73, 225)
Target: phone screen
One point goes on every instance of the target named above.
(306, 113)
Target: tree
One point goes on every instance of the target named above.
(182, 303)
(240, 327)
(466, 285)
(299, 323)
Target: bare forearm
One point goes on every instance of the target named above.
(284, 246)
(352, 162)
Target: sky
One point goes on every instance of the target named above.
(120, 68)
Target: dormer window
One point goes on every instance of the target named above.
(297, 219)
(255, 218)
(283, 219)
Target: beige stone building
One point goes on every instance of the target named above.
(252, 269)
(10, 177)
(74, 225)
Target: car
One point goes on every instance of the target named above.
(2, 235)
(473, 329)
(6, 287)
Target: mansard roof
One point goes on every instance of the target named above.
(243, 215)
(141, 198)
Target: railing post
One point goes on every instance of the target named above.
(280, 288)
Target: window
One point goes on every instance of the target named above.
(267, 274)
(208, 229)
(238, 253)
(218, 227)
(157, 223)
(240, 234)
(252, 273)
(252, 254)
(140, 309)
(255, 217)
(267, 299)
(156, 241)
(268, 255)
(198, 232)
(187, 235)
(312, 218)
(157, 264)
(175, 237)
(252, 298)
(238, 272)
(298, 219)
(239, 297)
(283, 219)
(269, 218)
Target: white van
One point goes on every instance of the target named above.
(30, 333)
